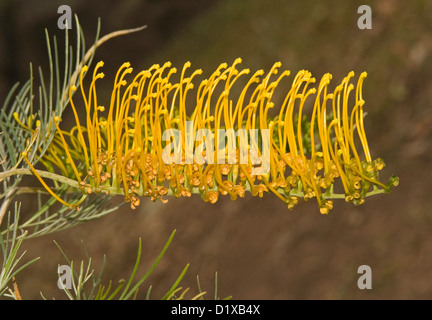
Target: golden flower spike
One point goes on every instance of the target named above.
(161, 137)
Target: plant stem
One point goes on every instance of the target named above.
(43, 174)
(113, 190)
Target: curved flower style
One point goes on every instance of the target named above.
(130, 146)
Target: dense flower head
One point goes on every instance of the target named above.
(316, 138)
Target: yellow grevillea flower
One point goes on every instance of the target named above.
(313, 149)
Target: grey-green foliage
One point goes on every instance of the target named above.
(86, 284)
(30, 104)
(10, 244)
(25, 106)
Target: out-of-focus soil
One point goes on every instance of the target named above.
(259, 248)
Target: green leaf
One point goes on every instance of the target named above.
(128, 295)
(176, 283)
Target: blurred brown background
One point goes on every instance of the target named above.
(259, 248)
